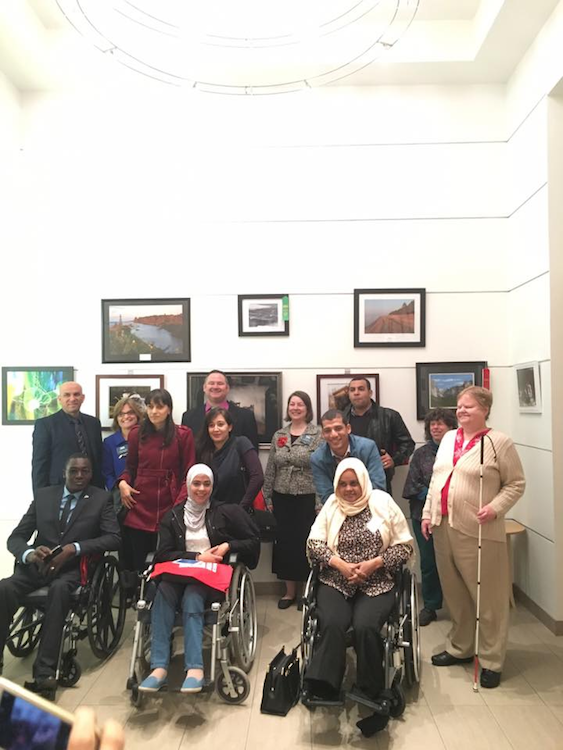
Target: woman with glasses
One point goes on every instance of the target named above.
(127, 413)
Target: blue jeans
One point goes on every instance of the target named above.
(168, 596)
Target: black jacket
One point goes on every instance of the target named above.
(93, 524)
(54, 440)
(243, 419)
(224, 523)
(387, 429)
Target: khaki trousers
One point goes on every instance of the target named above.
(456, 557)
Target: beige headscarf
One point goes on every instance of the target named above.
(357, 466)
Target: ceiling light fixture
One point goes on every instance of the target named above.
(243, 46)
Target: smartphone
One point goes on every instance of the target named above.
(29, 722)
(54, 552)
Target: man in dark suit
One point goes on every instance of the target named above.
(68, 431)
(77, 520)
(216, 389)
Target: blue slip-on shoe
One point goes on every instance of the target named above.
(191, 685)
(152, 684)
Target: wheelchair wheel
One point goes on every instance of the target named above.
(309, 622)
(137, 698)
(106, 608)
(70, 671)
(243, 641)
(411, 631)
(25, 631)
(398, 701)
(241, 685)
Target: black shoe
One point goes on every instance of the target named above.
(300, 604)
(46, 687)
(445, 659)
(490, 679)
(426, 616)
(372, 724)
(285, 603)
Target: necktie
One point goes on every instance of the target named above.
(81, 440)
(66, 513)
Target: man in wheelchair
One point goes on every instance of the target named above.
(194, 530)
(70, 521)
(359, 540)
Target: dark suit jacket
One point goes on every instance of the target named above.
(54, 440)
(93, 524)
(243, 419)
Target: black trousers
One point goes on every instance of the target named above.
(367, 615)
(136, 546)
(26, 579)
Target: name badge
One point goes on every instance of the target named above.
(374, 525)
(306, 439)
(122, 451)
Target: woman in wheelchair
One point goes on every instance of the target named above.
(194, 530)
(359, 540)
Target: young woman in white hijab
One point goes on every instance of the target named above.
(359, 540)
(200, 531)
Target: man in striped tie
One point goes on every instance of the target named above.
(61, 434)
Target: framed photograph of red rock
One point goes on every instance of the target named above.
(389, 317)
(438, 384)
(146, 330)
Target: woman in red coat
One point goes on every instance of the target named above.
(160, 455)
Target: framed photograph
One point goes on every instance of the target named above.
(389, 317)
(142, 330)
(529, 387)
(438, 384)
(29, 393)
(111, 388)
(259, 391)
(332, 391)
(263, 315)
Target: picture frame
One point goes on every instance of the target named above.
(259, 391)
(111, 388)
(389, 317)
(30, 393)
(528, 386)
(332, 391)
(263, 315)
(146, 330)
(439, 383)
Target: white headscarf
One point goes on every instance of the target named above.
(194, 512)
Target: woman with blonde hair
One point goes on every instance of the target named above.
(452, 514)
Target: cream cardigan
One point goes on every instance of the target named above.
(387, 518)
(503, 485)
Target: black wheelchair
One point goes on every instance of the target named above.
(97, 612)
(401, 645)
(231, 628)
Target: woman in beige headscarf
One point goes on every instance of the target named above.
(359, 539)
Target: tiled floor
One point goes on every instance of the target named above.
(525, 712)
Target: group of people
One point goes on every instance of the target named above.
(187, 489)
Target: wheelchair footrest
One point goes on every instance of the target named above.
(381, 706)
(314, 701)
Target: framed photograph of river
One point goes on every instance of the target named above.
(140, 330)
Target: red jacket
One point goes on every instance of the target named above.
(159, 473)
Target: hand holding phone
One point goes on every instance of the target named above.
(53, 553)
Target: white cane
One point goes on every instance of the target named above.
(478, 604)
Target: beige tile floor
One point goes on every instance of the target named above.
(525, 712)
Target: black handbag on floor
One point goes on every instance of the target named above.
(282, 684)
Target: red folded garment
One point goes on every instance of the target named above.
(215, 575)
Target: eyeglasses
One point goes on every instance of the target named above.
(126, 413)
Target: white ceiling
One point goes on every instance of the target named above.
(450, 41)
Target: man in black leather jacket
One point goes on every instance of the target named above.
(384, 426)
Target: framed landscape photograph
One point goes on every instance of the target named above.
(529, 387)
(389, 317)
(438, 384)
(332, 391)
(29, 393)
(259, 391)
(263, 315)
(142, 330)
(111, 388)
